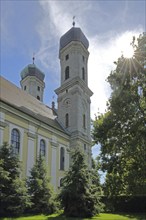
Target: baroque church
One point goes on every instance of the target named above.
(33, 128)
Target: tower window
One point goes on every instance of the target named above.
(24, 87)
(38, 97)
(15, 141)
(38, 88)
(67, 73)
(83, 73)
(62, 158)
(42, 148)
(83, 58)
(67, 57)
(67, 120)
(85, 147)
(84, 121)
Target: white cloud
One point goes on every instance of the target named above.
(102, 56)
(56, 20)
(104, 49)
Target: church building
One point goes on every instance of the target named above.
(33, 128)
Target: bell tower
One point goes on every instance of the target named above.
(32, 81)
(73, 93)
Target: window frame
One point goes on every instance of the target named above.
(42, 152)
(66, 120)
(62, 158)
(67, 57)
(38, 97)
(15, 141)
(83, 73)
(84, 121)
(67, 72)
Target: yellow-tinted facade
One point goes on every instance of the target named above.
(32, 128)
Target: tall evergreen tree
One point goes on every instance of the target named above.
(121, 131)
(78, 196)
(13, 192)
(40, 189)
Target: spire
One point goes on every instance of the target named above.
(33, 58)
(53, 103)
(73, 21)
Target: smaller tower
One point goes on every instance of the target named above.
(32, 81)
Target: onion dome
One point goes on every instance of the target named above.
(32, 70)
(74, 34)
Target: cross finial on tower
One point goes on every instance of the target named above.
(73, 21)
(33, 58)
(53, 103)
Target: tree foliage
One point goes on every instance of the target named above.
(78, 196)
(40, 189)
(13, 192)
(121, 131)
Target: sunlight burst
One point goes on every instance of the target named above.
(125, 45)
(128, 51)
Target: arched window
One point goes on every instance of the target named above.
(67, 57)
(42, 148)
(62, 158)
(15, 141)
(84, 121)
(67, 73)
(83, 73)
(67, 120)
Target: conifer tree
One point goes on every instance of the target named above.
(78, 196)
(40, 189)
(13, 192)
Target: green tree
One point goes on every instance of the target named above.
(40, 190)
(13, 192)
(121, 131)
(78, 196)
(96, 185)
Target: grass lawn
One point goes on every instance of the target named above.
(102, 216)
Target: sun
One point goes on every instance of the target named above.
(128, 51)
(124, 44)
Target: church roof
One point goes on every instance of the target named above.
(21, 100)
(74, 34)
(32, 70)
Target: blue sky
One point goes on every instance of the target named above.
(36, 26)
